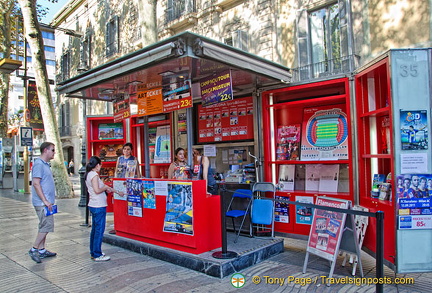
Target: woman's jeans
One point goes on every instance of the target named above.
(97, 231)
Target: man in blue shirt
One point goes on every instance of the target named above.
(43, 195)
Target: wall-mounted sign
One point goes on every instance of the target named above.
(232, 120)
(216, 88)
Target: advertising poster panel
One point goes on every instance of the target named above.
(413, 194)
(327, 227)
(179, 208)
(229, 121)
(121, 105)
(324, 133)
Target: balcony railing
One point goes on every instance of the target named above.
(65, 130)
(327, 68)
(178, 8)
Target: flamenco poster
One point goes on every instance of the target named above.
(327, 228)
(324, 133)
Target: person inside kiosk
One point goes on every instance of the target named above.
(202, 171)
(178, 168)
(127, 165)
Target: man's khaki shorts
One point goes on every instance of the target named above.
(46, 223)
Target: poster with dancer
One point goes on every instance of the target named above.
(414, 130)
(324, 133)
(327, 227)
(288, 142)
(179, 208)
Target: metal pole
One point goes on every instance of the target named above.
(25, 96)
(224, 254)
(146, 147)
(84, 194)
(380, 250)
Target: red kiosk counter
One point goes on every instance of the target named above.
(176, 214)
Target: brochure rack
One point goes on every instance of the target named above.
(105, 139)
(315, 162)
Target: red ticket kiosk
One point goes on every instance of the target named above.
(175, 214)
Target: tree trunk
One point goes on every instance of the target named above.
(5, 40)
(34, 38)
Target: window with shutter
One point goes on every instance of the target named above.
(323, 41)
(112, 36)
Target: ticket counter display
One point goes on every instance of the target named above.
(175, 214)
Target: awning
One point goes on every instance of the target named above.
(186, 52)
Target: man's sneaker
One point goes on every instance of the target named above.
(47, 254)
(102, 258)
(35, 256)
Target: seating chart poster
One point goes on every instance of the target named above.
(324, 133)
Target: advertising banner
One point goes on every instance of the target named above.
(33, 112)
(121, 105)
(216, 88)
(179, 208)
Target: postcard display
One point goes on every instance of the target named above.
(307, 147)
(172, 214)
(394, 106)
(105, 139)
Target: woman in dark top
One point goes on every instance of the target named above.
(201, 170)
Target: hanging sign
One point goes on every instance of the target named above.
(150, 102)
(216, 88)
(178, 96)
(121, 107)
(165, 99)
(33, 107)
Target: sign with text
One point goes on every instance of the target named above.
(228, 121)
(150, 102)
(415, 222)
(216, 89)
(165, 99)
(327, 227)
(121, 106)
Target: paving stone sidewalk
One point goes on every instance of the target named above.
(72, 270)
